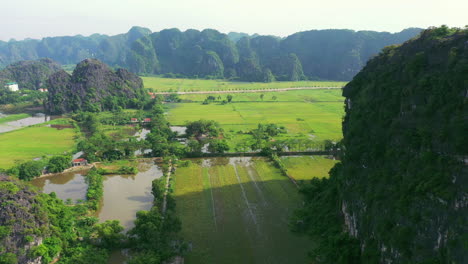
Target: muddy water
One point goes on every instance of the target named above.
(124, 195)
(140, 135)
(28, 121)
(66, 185)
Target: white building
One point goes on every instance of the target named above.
(12, 86)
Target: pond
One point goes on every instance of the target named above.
(124, 195)
(70, 185)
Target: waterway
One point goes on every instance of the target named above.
(24, 122)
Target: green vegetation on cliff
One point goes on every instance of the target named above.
(314, 54)
(400, 189)
(94, 87)
(30, 75)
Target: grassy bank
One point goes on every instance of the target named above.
(14, 117)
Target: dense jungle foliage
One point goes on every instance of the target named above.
(400, 189)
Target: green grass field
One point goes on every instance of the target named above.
(321, 95)
(308, 167)
(13, 118)
(236, 210)
(32, 142)
(192, 85)
(321, 120)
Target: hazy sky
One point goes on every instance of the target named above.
(40, 18)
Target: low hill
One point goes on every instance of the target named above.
(29, 74)
(93, 87)
(400, 190)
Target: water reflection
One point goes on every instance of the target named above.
(28, 121)
(124, 195)
(66, 185)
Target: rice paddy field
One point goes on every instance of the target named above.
(316, 95)
(34, 142)
(303, 168)
(236, 210)
(192, 85)
(320, 120)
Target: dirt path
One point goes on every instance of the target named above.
(166, 191)
(252, 91)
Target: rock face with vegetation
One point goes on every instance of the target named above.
(400, 190)
(23, 223)
(315, 54)
(93, 87)
(29, 74)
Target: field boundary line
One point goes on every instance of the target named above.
(251, 91)
(254, 219)
(212, 200)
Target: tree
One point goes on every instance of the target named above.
(109, 233)
(218, 146)
(229, 98)
(274, 98)
(268, 76)
(58, 163)
(261, 96)
(30, 170)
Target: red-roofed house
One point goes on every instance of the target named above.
(146, 120)
(134, 120)
(79, 162)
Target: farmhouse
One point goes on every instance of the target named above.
(12, 86)
(146, 120)
(79, 162)
(134, 120)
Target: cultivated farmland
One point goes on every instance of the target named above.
(236, 210)
(33, 142)
(191, 85)
(308, 167)
(321, 120)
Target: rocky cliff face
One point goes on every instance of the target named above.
(23, 223)
(93, 86)
(400, 193)
(403, 180)
(29, 74)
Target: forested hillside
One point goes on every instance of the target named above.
(400, 189)
(315, 54)
(93, 87)
(29, 74)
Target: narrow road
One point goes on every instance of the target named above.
(252, 91)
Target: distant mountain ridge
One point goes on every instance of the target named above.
(315, 54)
